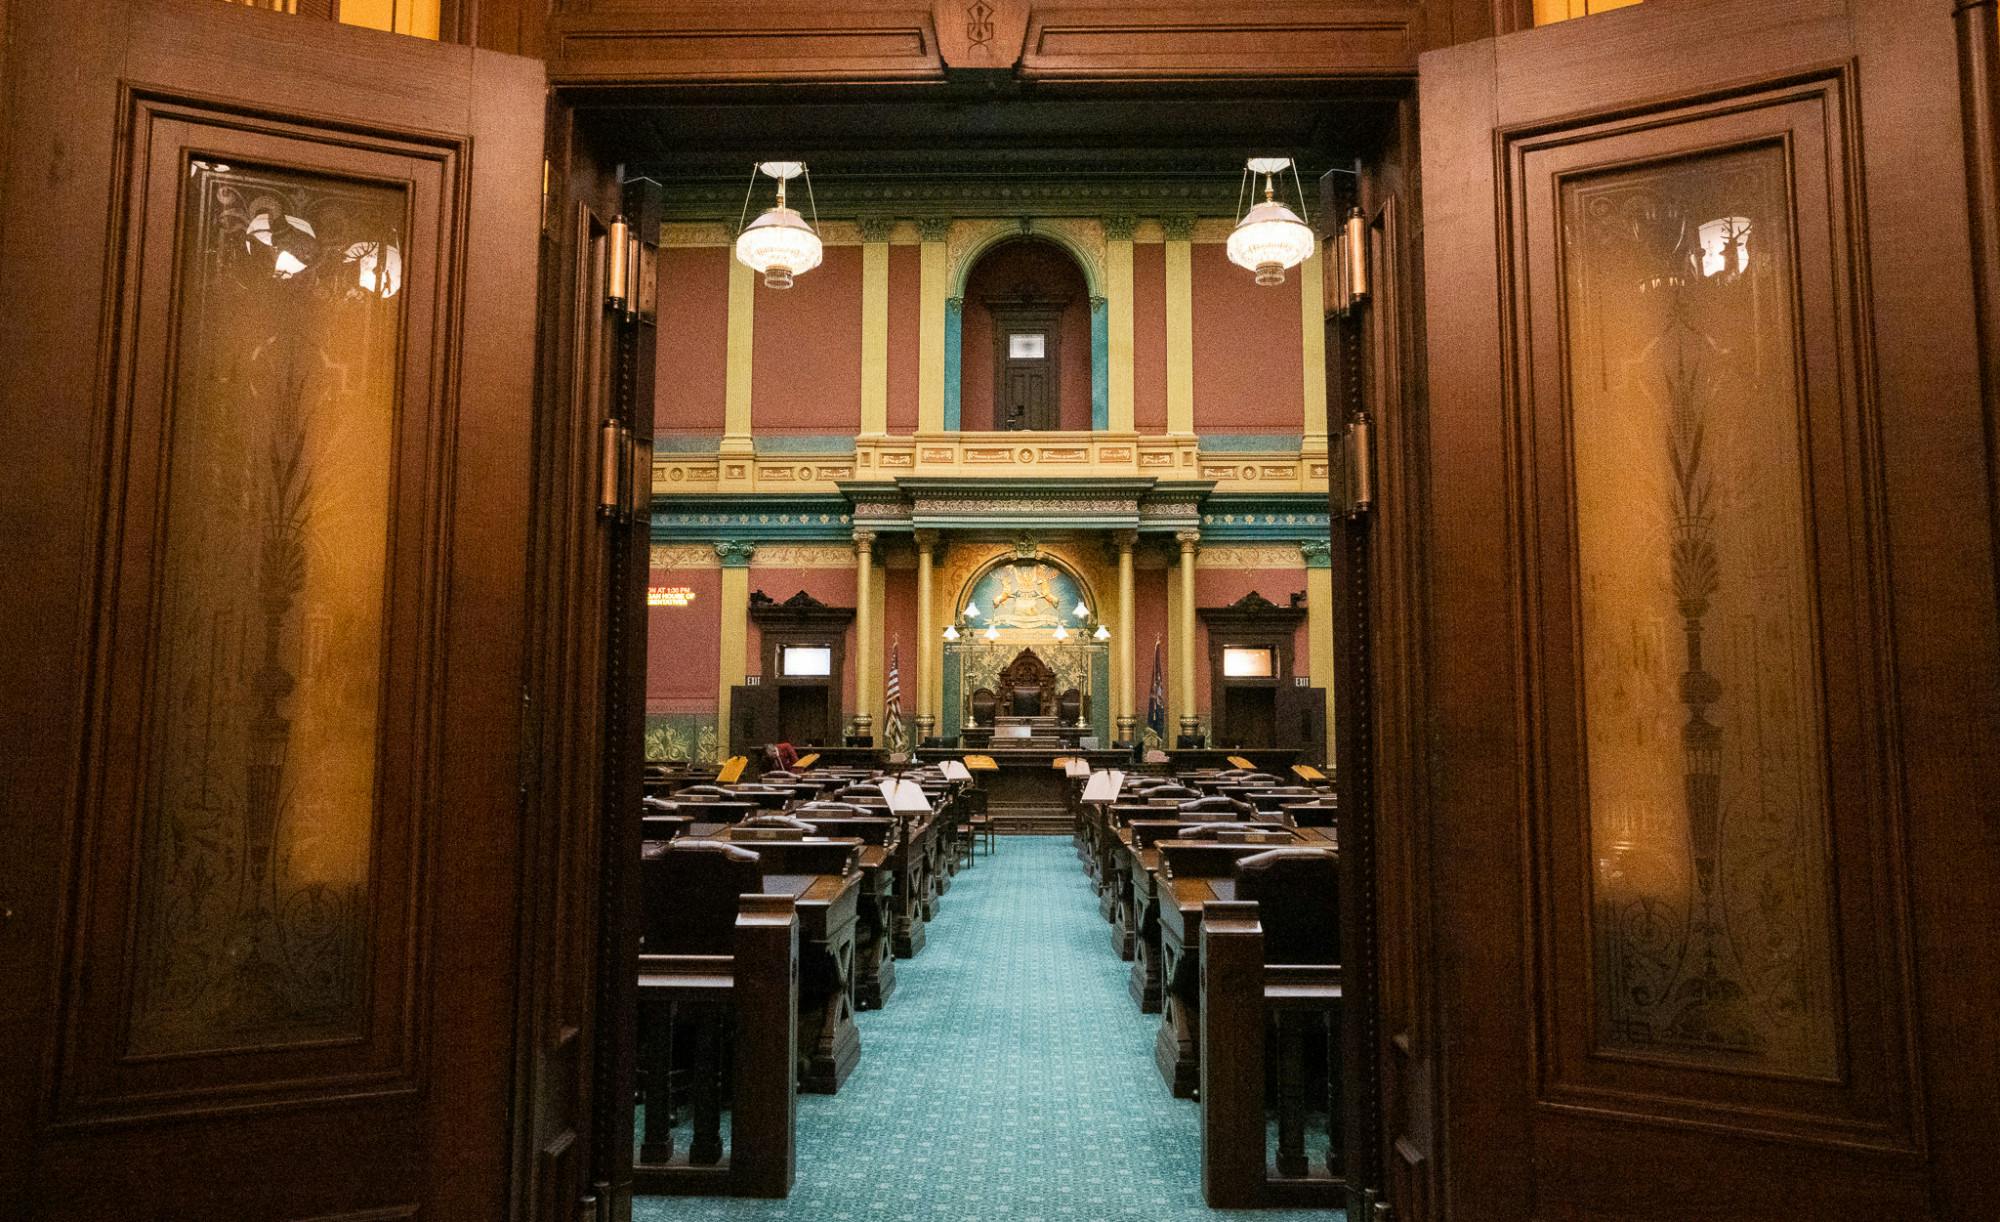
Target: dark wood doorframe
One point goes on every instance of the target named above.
(1368, 1044)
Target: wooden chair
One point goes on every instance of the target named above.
(1297, 893)
(689, 893)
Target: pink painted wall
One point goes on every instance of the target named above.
(1051, 274)
(899, 622)
(1248, 349)
(1149, 337)
(1221, 587)
(834, 587)
(806, 350)
(693, 340)
(905, 323)
(683, 646)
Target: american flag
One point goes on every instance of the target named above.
(895, 736)
(1156, 703)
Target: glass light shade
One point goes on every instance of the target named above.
(1102, 633)
(992, 633)
(1269, 239)
(972, 610)
(1082, 612)
(1062, 633)
(778, 246)
(951, 632)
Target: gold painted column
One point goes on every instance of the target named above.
(736, 441)
(1180, 323)
(734, 628)
(867, 685)
(1318, 555)
(875, 325)
(927, 677)
(1128, 721)
(1312, 317)
(933, 288)
(1184, 646)
(1119, 358)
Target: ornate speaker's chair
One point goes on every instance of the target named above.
(688, 893)
(984, 706)
(1025, 701)
(1069, 707)
(1297, 893)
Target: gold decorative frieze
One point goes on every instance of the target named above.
(804, 556)
(1252, 556)
(684, 556)
(999, 456)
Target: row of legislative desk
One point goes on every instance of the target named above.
(1163, 850)
(863, 880)
(1025, 794)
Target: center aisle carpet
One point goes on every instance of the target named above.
(1010, 1077)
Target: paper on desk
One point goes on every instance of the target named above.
(904, 796)
(954, 771)
(1103, 785)
(1077, 768)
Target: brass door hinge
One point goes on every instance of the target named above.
(1349, 248)
(632, 281)
(624, 473)
(1357, 454)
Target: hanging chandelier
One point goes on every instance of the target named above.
(1270, 238)
(779, 244)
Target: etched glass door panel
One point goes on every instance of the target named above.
(1704, 743)
(263, 711)
(270, 703)
(1709, 682)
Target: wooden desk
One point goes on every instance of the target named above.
(829, 1042)
(1192, 873)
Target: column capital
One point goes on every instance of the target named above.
(1177, 228)
(735, 553)
(1097, 304)
(1187, 539)
(934, 228)
(954, 305)
(1125, 541)
(864, 539)
(927, 540)
(875, 228)
(1120, 228)
(1318, 553)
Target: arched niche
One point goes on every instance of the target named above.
(1023, 598)
(1026, 340)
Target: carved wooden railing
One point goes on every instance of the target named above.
(742, 1005)
(1243, 998)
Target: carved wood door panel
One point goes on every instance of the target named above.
(1699, 462)
(267, 679)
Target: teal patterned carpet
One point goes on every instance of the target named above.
(1010, 1077)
